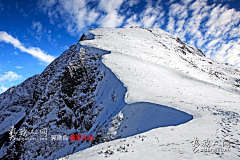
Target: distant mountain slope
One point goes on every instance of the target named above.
(117, 83)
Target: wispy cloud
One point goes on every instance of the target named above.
(38, 30)
(151, 16)
(110, 5)
(15, 53)
(6, 78)
(2, 88)
(213, 28)
(34, 51)
(10, 76)
(112, 19)
(77, 16)
(19, 67)
(74, 15)
(208, 26)
(133, 2)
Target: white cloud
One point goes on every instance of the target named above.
(38, 30)
(9, 77)
(148, 21)
(171, 24)
(19, 67)
(132, 21)
(178, 10)
(15, 53)
(35, 52)
(197, 5)
(2, 88)
(112, 19)
(92, 16)
(37, 26)
(6, 78)
(232, 55)
(180, 25)
(110, 5)
(151, 16)
(213, 43)
(133, 2)
(186, 1)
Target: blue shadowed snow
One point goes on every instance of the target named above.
(143, 116)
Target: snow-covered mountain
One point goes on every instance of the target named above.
(158, 97)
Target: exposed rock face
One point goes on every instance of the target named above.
(65, 99)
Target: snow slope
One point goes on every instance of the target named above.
(141, 93)
(160, 70)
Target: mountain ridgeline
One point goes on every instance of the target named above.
(77, 94)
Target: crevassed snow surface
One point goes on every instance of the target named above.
(159, 70)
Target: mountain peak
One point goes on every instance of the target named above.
(114, 83)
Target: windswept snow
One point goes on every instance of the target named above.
(141, 116)
(141, 93)
(157, 68)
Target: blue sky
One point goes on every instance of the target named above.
(34, 32)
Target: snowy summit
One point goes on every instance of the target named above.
(141, 93)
